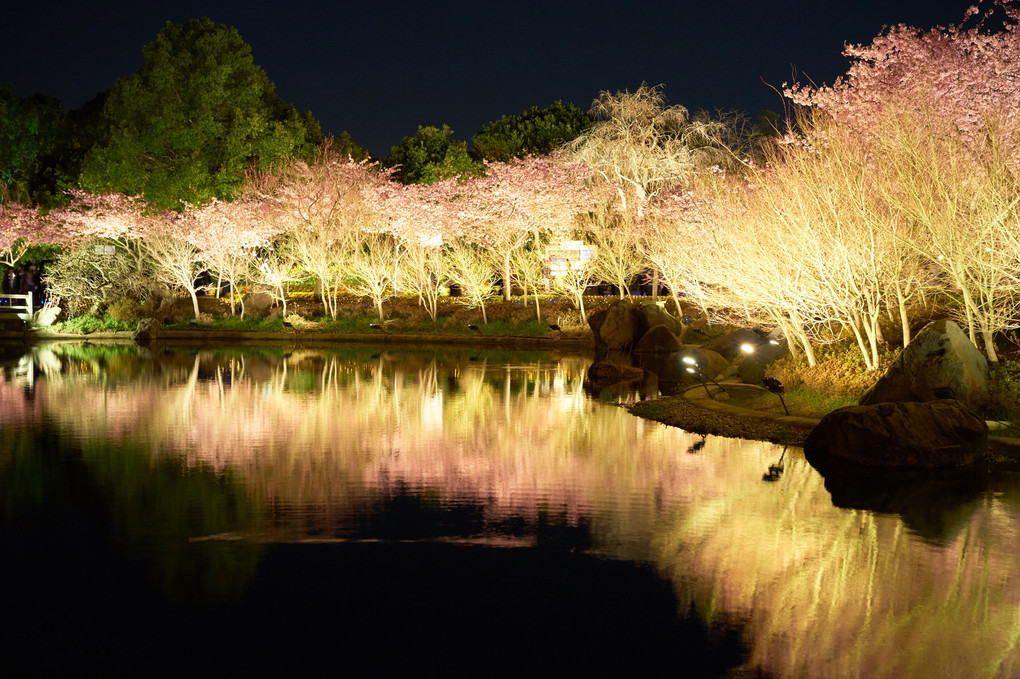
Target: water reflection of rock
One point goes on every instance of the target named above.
(935, 504)
(824, 591)
(621, 375)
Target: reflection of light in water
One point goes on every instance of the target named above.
(825, 591)
(432, 412)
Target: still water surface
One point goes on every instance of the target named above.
(460, 511)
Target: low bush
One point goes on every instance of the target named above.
(800, 402)
(839, 372)
(89, 324)
(1003, 399)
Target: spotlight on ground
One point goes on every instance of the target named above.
(776, 387)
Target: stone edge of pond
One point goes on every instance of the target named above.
(202, 335)
(699, 414)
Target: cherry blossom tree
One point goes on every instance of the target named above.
(472, 268)
(961, 196)
(21, 227)
(324, 207)
(373, 267)
(276, 269)
(110, 216)
(938, 111)
(578, 275)
(616, 237)
(426, 272)
(966, 74)
(166, 240)
(229, 237)
(528, 268)
(640, 145)
(514, 204)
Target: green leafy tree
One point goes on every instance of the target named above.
(30, 133)
(346, 148)
(193, 119)
(537, 131)
(430, 156)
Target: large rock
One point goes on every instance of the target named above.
(939, 433)
(617, 326)
(728, 345)
(652, 315)
(47, 315)
(674, 369)
(940, 362)
(658, 339)
(613, 372)
(752, 368)
(258, 302)
(146, 331)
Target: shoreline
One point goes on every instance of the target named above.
(689, 410)
(219, 335)
(698, 414)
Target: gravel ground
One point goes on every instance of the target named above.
(689, 416)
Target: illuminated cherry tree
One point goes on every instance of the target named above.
(472, 268)
(324, 207)
(577, 275)
(617, 238)
(937, 111)
(166, 241)
(22, 227)
(968, 75)
(514, 204)
(641, 146)
(426, 272)
(528, 268)
(229, 237)
(373, 267)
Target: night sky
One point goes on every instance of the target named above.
(379, 69)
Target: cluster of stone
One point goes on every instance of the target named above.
(919, 414)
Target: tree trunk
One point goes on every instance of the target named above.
(901, 301)
(987, 336)
(506, 277)
(194, 300)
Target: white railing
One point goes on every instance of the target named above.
(19, 304)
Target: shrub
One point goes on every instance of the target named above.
(86, 278)
(126, 310)
(1003, 399)
(89, 324)
(840, 371)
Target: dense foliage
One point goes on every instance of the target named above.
(195, 116)
(895, 191)
(431, 155)
(536, 131)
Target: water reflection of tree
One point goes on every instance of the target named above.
(514, 436)
(837, 592)
(322, 438)
(159, 505)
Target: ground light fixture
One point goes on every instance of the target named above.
(776, 387)
(376, 326)
(472, 326)
(695, 369)
(775, 470)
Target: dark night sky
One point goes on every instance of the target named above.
(379, 69)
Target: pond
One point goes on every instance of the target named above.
(454, 510)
